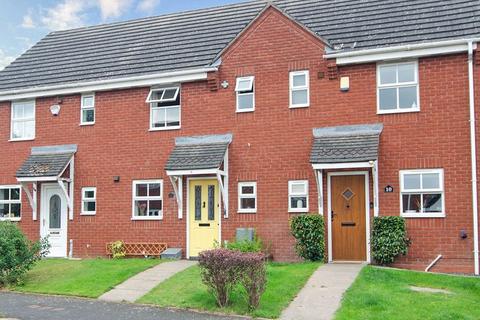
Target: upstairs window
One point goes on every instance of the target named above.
(147, 200)
(89, 201)
(245, 89)
(247, 197)
(397, 86)
(23, 120)
(298, 196)
(299, 89)
(88, 109)
(422, 193)
(10, 203)
(164, 108)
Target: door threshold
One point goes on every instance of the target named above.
(348, 262)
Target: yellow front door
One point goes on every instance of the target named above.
(204, 215)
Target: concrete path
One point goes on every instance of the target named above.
(41, 307)
(322, 294)
(140, 284)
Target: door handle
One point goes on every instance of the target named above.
(203, 204)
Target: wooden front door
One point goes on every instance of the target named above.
(204, 215)
(348, 217)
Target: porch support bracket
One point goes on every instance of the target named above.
(32, 197)
(177, 183)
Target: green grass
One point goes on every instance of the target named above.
(380, 293)
(186, 290)
(85, 278)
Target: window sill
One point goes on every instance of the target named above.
(86, 124)
(22, 139)
(397, 111)
(247, 211)
(11, 219)
(165, 129)
(423, 215)
(299, 106)
(146, 218)
(245, 110)
(298, 211)
(88, 213)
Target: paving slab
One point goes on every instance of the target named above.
(137, 286)
(323, 292)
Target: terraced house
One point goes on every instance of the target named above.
(183, 128)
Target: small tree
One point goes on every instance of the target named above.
(309, 231)
(389, 239)
(254, 279)
(17, 253)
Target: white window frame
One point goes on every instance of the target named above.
(397, 85)
(242, 93)
(13, 120)
(147, 198)
(293, 194)
(440, 190)
(165, 108)
(247, 196)
(298, 88)
(86, 108)
(84, 199)
(12, 201)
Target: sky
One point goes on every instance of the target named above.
(25, 22)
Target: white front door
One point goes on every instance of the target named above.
(53, 223)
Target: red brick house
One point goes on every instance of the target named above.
(184, 128)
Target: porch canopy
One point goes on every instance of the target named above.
(346, 147)
(48, 164)
(197, 156)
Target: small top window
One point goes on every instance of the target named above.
(163, 95)
(165, 110)
(89, 201)
(299, 89)
(23, 120)
(398, 87)
(88, 109)
(247, 197)
(245, 89)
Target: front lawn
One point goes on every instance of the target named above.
(186, 290)
(380, 293)
(86, 278)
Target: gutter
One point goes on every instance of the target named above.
(108, 84)
(473, 151)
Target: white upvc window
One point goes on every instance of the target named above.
(10, 203)
(247, 197)
(89, 201)
(422, 193)
(147, 202)
(299, 89)
(23, 120)
(165, 109)
(87, 109)
(245, 89)
(397, 87)
(298, 196)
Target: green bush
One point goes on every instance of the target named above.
(17, 253)
(309, 231)
(246, 245)
(389, 239)
(118, 249)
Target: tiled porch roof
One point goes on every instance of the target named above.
(46, 162)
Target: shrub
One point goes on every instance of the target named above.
(246, 245)
(254, 277)
(118, 249)
(220, 271)
(389, 239)
(17, 253)
(309, 231)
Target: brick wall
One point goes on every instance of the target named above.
(271, 145)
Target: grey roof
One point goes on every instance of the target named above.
(341, 144)
(193, 39)
(201, 152)
(46, 161)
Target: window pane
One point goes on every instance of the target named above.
(298, 188)
(244, 85)
(14, 194)
(90, 194)
(156, 95)
(299, 97)
(173, 117)
(29, 128)
(411, 203)
(154, 189)
(15, 210)
(408, 97)
(430, 181)
(247, 203)
(17, 130)
(388, 74)
(432, 202)
(198, 203)
(388, 99)
(411, 181)
(299, 80)
(406, 73)
(158, 117)
(88, 115)
(298, 202)
(169, 94)
(4, 194)
(4, 210)
(55, 217)
(247, 189)
(211, 202)
(88, 101)
(245, 101)
(142, 190)
(140, 208)
(18, 111)
(155, 208)
(89, 206)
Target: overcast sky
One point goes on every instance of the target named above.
(24, 22)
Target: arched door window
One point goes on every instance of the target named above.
(55, 212)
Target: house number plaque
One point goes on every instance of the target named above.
(388, 189)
